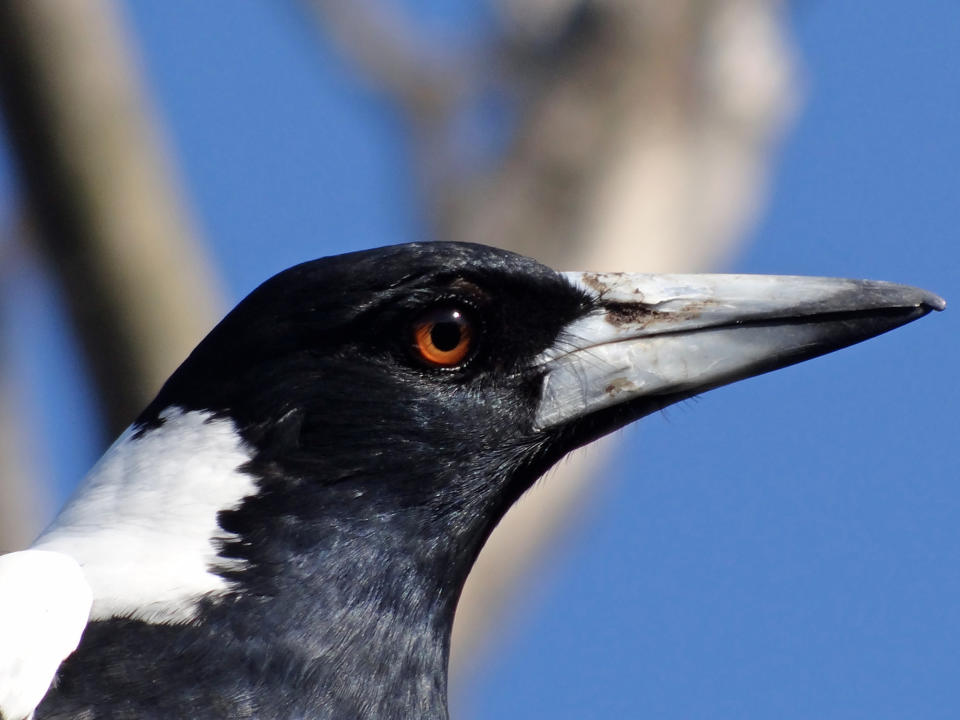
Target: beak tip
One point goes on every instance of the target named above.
(927, 301)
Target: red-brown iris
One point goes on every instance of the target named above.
(443, 337)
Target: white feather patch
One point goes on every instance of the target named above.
(44, 605)
(143, 525)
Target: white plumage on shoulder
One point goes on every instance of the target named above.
(44, 605)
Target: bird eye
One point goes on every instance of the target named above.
(443, 337)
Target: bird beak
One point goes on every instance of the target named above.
(655, 339)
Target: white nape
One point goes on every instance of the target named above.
(143, 524)
(44, 604)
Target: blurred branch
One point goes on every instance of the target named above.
(109, 221)
(429, 86)
(20, 503)
(641, 141)
(20, 506)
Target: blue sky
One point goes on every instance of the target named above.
(785, 547)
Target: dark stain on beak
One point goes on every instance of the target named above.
(639, 314)
(636, 314)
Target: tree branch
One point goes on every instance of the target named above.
(109, 221)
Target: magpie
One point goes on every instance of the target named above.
(286, 528)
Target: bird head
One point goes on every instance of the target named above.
(311, 487)
(404, 379)
(440, 380)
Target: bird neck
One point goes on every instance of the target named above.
(144, 523)
(358, 601)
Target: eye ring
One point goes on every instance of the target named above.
(444, 337)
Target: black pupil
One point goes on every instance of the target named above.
(446, 335)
